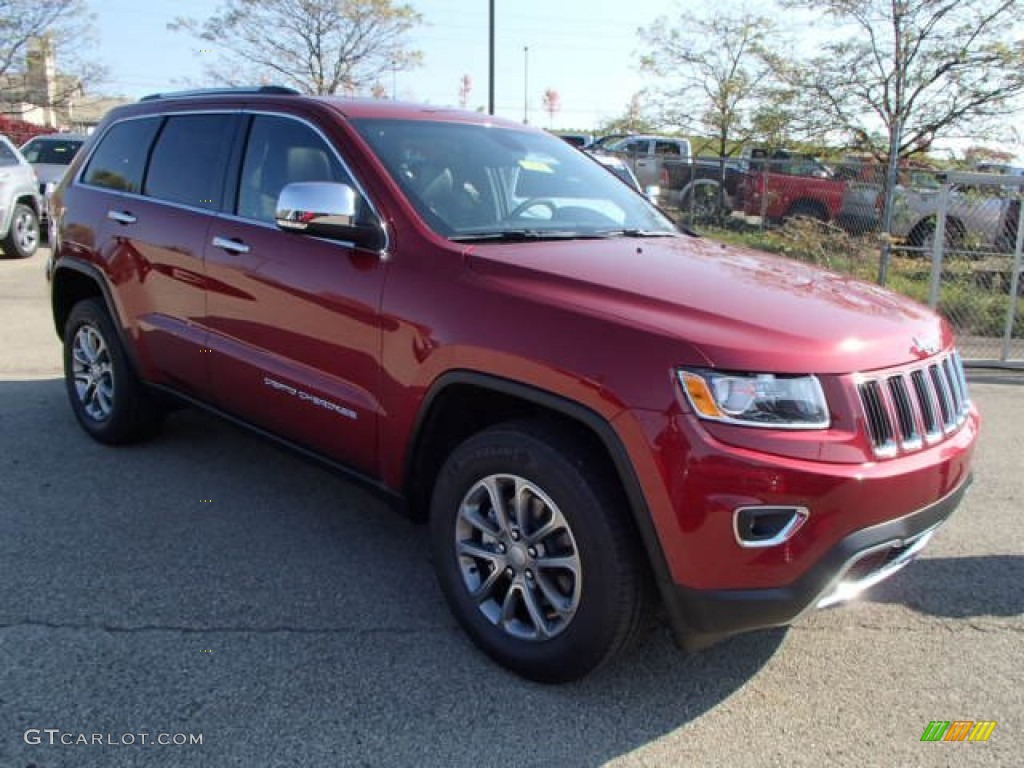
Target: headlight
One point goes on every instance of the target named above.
(757, 399)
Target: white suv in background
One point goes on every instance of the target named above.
(20, 204)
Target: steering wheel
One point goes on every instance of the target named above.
(532, 202)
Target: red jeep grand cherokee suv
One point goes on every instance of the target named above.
(594, 411)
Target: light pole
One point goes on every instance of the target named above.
(526, 85)
(490, 59)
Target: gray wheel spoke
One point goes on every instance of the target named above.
(482, 592)
(553, 524)
(497, 502)
(508, 605)
(469, 549)
(536, 614)
(520, 502)
(559, 602)
(472, 516)
(569, 563)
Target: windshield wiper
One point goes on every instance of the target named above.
(520, 235)
(637, 233)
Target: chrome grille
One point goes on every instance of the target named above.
(909, 408)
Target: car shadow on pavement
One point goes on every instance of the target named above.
(209, 581)
(957, 587)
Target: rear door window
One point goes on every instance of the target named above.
(120, 159)
(187, 163)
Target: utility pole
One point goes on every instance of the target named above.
(490, 71)
(526, 85)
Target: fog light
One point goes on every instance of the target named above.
(767, 526)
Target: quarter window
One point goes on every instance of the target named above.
(120, 158)
(188, 160)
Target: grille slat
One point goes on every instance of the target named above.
(910, 407)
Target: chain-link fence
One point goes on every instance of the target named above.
(955, 241)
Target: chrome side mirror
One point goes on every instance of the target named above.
(325, 209)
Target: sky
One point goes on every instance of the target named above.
(584, 49)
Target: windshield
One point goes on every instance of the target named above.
(51, 151)
(485, 182)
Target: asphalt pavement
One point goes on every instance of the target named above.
(210, 587)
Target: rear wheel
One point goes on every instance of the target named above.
(923, 235)
(807, 210)
(533, 554)
(23, 238)
(108, 400)
(703, 202)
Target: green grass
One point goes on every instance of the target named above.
(971, 308)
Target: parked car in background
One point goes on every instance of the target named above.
(50, 155)
(980, 214)
(703, 188)
(578, 140)
(649, 156)
(780, 184)
(594, 412)
(20, 203)
(619, 167)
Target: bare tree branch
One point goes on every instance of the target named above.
(316, 46)
(713, 72)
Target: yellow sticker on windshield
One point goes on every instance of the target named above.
(535, 165)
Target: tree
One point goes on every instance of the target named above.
(552, 102)
(715, 71)
(904, 72)
(35, 37)
(900, 73)
(632, 120)
(316, 46)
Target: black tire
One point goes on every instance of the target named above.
(107, 398)
(807, 210)
(23, 237)
(923, 235)
(610, 595)
(703, 202)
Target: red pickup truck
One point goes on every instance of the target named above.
(782, 185)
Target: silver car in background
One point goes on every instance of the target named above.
(20, 203)
(50, 155)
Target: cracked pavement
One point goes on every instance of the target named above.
(295, 620)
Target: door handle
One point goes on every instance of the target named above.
(121, 217)
(234, 246)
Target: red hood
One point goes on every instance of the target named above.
(741, 309)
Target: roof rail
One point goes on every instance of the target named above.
(253, 89)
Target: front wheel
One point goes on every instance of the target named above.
(23, 237)
(533, 553)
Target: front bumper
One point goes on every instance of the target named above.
(859, 560)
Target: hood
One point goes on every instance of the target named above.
(739, 308)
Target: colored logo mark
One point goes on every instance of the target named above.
(958, 730)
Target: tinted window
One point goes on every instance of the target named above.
(51, 151)
(7, 154)
(120, 158)
(281, 151)
(188, 160)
